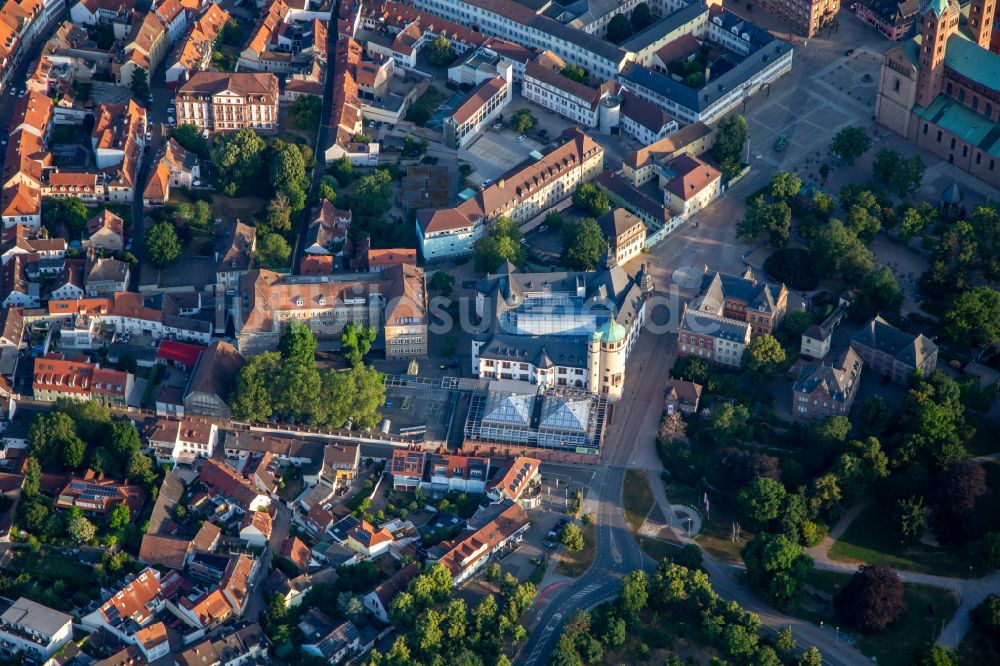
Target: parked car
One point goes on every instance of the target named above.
(849, 52)
(542, 228)
(497, 125)
(521, 138)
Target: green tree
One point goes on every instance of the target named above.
(238, 161)
(763, 356)
(619, 29)
(52, 438)
(912, 516)
(935, 655)
(785, 185)
(571, 537)
(850, 143)
(730, 138)
(893, 171)
(80, 529)
(297, 342)
(837, 251)
(120, 517)
(342, 170)
(501, 243)
(761, 500)
(634, 593)
(439, 52)
(325, 192)
(878, 293)
(202, 214)
(777, 567)
(442, 282)
(69, 213)
(641, 17)
(863, 223)
(288, 173)
(523, 121)
(163, 247)
(251, 399)
(373, 196)
(584, 245)
(32, 477)
(357, 395)
(140, 469)
(297, 389)
(615, 636)
(785, 643)
(821, 205)
(811, 657)
(591, 200)
(729, 422)
(140, 84)
(974, 318)
(356, 341)
(304, 112)
(575, 73)
(273, 251)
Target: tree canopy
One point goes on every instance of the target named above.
(764, 355)
(190, 138)
(163, 247)
(439, 51)
(619, 29)
(872, 599)
(575, 73)
(584, 245)
(899, 174)
(590, 199)
(501, 243)
(69, 213)
(237, 158)
(523, 121)
(356, 341)
(273, 251)
(851, 143)
(974, 317)
(730, 138)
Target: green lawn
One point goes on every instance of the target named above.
(538, 574)
(897, 645)
(657, 549)
(637, 498)
(984, 442)
(871, 539)
(716, 536)
(575, 563)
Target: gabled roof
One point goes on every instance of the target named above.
(913, 350)
(222, 479)
(691, 176)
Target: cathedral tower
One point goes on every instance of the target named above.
(938, 21)
(981, 21)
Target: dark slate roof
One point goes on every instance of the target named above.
(839, 379)
(700, 99)
(905, 347)
(704, 323)
(566, 351)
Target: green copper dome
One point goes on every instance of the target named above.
(611, 331)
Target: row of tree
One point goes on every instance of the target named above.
(436, 627)
(288, 384)
(675, 595)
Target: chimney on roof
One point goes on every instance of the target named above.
(501, 183)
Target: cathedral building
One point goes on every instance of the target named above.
(941, 89)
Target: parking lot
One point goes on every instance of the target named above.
(496, 152)
(109, 93)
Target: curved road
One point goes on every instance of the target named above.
(635, 419)
(616, 552)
